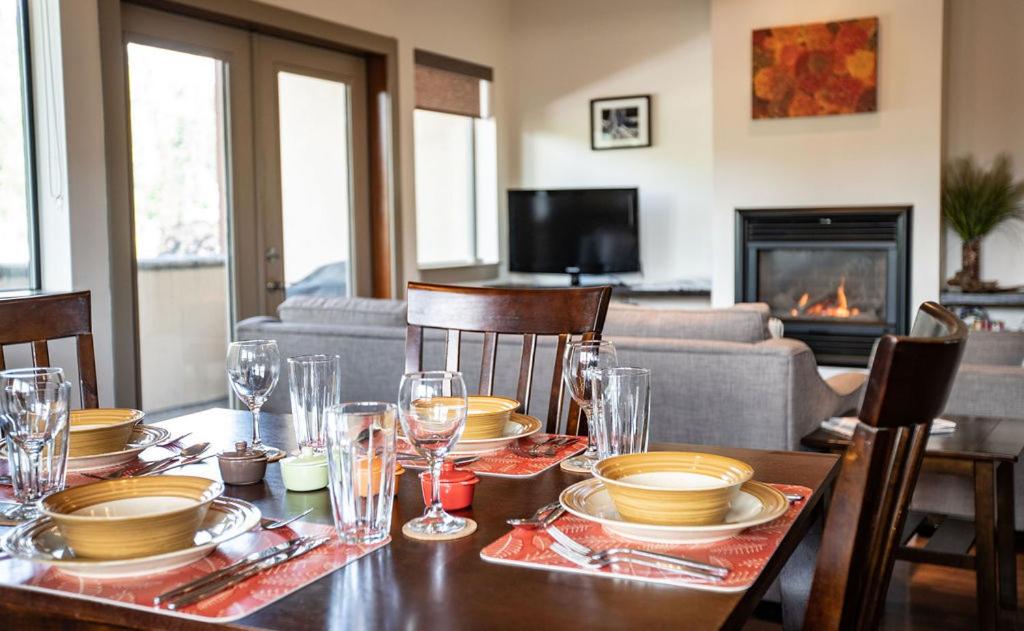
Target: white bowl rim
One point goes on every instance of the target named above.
(214, 490)
(747, 476)
(511, 404)
(586, 486)
(135, 417)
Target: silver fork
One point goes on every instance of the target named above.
(600, 558)
(269, 524)
(538, 451)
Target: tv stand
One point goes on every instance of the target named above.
(684, 288)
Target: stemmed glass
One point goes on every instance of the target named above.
(432, 408)
(253, 367)
(582, 362)
(34, 410)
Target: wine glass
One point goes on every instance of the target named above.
(253, 367)
(34, 411)
(432, 408)
(582, 362)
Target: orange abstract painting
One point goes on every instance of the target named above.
(815, 69)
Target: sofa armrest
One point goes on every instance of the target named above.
(766, 395)
(986, 390)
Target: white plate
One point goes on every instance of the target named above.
(143, 437)
(39, 541)
(518, 426)
(756, 503)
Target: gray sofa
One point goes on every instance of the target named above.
(718, 376)
(990, 383)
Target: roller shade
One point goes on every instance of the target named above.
(452, 86)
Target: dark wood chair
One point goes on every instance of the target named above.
(37, 319)
(564, 313)
(907, 387)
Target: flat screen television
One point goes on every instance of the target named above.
(574, 231)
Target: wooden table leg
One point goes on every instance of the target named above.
(1005, 527)
(798, 573)
(985, 544)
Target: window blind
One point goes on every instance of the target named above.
(449, 85)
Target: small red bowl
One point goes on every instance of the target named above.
(457, 486)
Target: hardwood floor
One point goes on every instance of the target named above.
(927, 597)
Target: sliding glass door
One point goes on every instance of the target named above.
(248, 162)
(312, 183)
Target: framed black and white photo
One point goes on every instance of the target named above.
(621, 122)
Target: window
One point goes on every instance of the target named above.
(18, 266)
(456, 164)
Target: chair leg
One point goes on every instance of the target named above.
(985, 544)
(1005, 527)
(797, 575)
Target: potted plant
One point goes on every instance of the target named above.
(975, 201)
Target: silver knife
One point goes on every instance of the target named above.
(184, 463)
(206, 579)
(311, 543)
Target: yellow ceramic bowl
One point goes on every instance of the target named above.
(672, 487)
(101, 431)
(487, 416)
(132, 517)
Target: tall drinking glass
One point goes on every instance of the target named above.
(361, 461)
(622, 410)
(433, 408)
(581, 363)
(314, 383)
(34, 410)
(253, 367)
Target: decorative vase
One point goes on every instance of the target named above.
(970, 263)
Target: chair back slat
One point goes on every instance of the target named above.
(40, 354)
(487, 361)
(492, 311)
(451, 350)
(910, 379)
(87, 371)
(413, 348)
(525, 385)
(37, 319)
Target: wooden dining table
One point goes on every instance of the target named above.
(419, 585)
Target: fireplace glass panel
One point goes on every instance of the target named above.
(824, 283)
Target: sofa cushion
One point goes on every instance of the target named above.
(995, 348)
(352, 311)
(747, 323)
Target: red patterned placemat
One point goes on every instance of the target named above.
(745, 554)
(506, 463)
(259, 591)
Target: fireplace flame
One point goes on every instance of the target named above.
(834, 305)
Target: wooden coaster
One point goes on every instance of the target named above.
(465, 532)
(571, 467)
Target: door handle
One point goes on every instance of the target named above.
(274, 285)
(272, 254)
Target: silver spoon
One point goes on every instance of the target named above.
(281, 523)
(184, 454)
(535, 517)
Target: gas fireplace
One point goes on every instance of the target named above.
(837, 277)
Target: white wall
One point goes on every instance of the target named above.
(74, 241)
(472, 30)
(984, 105)
(571, 51)
(888, 157)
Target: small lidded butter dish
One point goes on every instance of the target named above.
(242, 465)
(305, 472)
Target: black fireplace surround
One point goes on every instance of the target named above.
(837, 277)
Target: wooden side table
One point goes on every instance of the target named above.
(984, 449)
